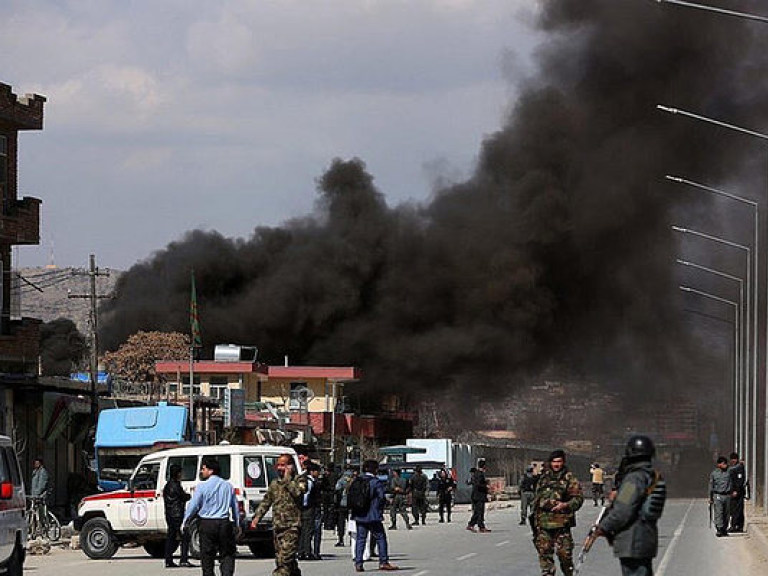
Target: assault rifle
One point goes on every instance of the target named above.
(592, 536)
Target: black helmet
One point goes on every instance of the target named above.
(640, 448)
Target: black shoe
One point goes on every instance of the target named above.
(392, 527)
(440, 521)
(449, 518)
(721, 534)
(187, 565)
(171, 565)
(409, 527)
(339, 544)
(301, 557)
(522, 523)
(316, 557)
(415, 523)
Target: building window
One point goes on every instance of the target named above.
(217, 385)
(185, 385)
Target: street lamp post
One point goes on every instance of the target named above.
(744, 15)
(754, 205)
(740, 398)
(748, 252)
(763, 137)
(737, 327)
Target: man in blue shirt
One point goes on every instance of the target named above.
(213, 501)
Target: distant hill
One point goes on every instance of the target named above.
(44, 291)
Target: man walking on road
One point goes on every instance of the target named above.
(371, 519)
(284, 496)
(398, 488)
(738, 492)
(719, 495)
(630, 523)
(558, 497)
(527, 492)
(479, 497)
(419, 484)
(598, 483)
(446, 486)
(174, 502)
(213, 502)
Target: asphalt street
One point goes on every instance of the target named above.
(687, 547)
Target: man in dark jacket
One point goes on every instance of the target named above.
(738, 492)
(479, 496)
(630, 524)
(527, 492)
(372, 520)
(311, 530)
(175, 500)
(419, 484)
(446, 486)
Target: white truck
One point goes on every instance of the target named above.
(108, 520)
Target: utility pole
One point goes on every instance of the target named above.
(93, 272)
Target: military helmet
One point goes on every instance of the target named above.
(640, 448)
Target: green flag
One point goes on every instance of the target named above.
(194, 320)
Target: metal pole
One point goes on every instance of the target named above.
(743, 15)
(191, 386)
(333, 423)
(736, 328)
(748, 268)
(765, 378)
(755, 297)
(95, 343)
(742, 389)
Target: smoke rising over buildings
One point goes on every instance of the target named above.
(555, 252)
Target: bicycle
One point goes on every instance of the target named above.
(41, 522)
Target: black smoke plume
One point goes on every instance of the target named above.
(62, 347)
(556, 252)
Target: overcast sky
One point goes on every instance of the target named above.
(167, 115)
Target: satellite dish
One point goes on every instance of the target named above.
(304, 394)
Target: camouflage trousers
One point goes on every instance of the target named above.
(286, 547)
(549, 542)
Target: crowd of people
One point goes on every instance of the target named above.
(353, 502)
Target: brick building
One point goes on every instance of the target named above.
(19, 224)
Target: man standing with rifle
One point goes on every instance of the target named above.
(630, 522)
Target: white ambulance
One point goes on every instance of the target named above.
(108, 520)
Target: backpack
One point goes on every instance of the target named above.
(359, 497)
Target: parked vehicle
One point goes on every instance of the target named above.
(125, 435)
(13, 522)
(137, 514)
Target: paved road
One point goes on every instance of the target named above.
(688, 547)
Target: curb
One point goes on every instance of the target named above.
(754, 530)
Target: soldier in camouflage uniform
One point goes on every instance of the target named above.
(558, 496)
(285, 497)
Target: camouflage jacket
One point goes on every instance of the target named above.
(285, 498)
(551, 489)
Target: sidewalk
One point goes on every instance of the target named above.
(757, 527)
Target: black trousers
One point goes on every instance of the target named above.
(217, 537)
(478, 514)
(172, 540)
(736, 512)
